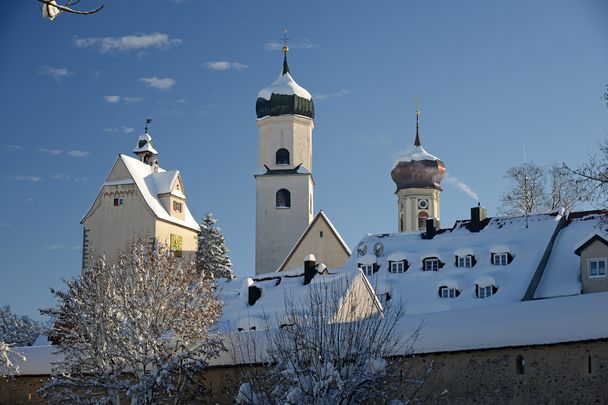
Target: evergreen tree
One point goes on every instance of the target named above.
(212, 257)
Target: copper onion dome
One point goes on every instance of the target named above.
(417, 168)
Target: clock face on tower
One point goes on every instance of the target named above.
(423, 204)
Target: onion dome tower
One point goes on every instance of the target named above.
(418, 175)
(145, 149)
(284, 184)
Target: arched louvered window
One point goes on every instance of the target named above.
(282, 157)
(283, 198)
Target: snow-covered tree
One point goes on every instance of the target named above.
(8, 359)
(134, 328)
(18, 330)
(315, 358)
(212, 257)
(15, 331)
(530, 193)
(594, 174)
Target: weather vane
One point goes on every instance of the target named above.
(285, 47)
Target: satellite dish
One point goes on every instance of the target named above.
(378, 249)
(362, 248)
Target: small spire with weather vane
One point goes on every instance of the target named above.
(148, 120)
(417, 141)
(285, 50)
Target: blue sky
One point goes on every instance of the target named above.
(74, 93)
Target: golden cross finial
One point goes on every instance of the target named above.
(285, 47)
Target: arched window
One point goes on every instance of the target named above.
(422, 216)
(283, 198)
(282, 157)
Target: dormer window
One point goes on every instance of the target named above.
(431, 264)
(119, 202)
(486, 291)
(282, 157)
(465, 261)
(368, 269)
(597, 267)
(177, 206)
(447, 292)
(398, 266)
(501, 259)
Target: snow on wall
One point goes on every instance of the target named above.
(563, 272)
(420, 288)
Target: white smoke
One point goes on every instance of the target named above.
(462, 186)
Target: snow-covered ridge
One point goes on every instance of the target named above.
(416, 153)
(284, 85)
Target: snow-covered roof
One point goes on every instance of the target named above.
(527, 323)
(562, 273)
(416, 153)
(146, 141)
(152, 184)
(276, 290)
(284, 85)
(165, 183)
(420, 288)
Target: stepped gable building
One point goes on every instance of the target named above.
(285, 185)
(418, 175)
(140, 199)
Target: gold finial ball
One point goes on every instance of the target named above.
(285, 49)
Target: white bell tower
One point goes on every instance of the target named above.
(284, 184)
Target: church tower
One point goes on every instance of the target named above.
(284, 184)
(417, 175)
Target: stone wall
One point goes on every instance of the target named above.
(553, 374)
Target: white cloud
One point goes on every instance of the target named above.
(127, 42)
(112, 99)
(13, 147)
(55, 73)
(159, 83)
(62, 247)
(276, 45)
(132, 99)
(336, 94)
(224, 65)
(5, 225)
(33, 179)
(60, 176)
(123, 129)
(78, 153)
(50, 151)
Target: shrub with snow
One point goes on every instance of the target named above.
(315, 358)
(137, 327)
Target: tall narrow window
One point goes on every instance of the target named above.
(520, 364)
(597, 268)
(422, 217)
(283, 198)
(177, 206)
(282, 157)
